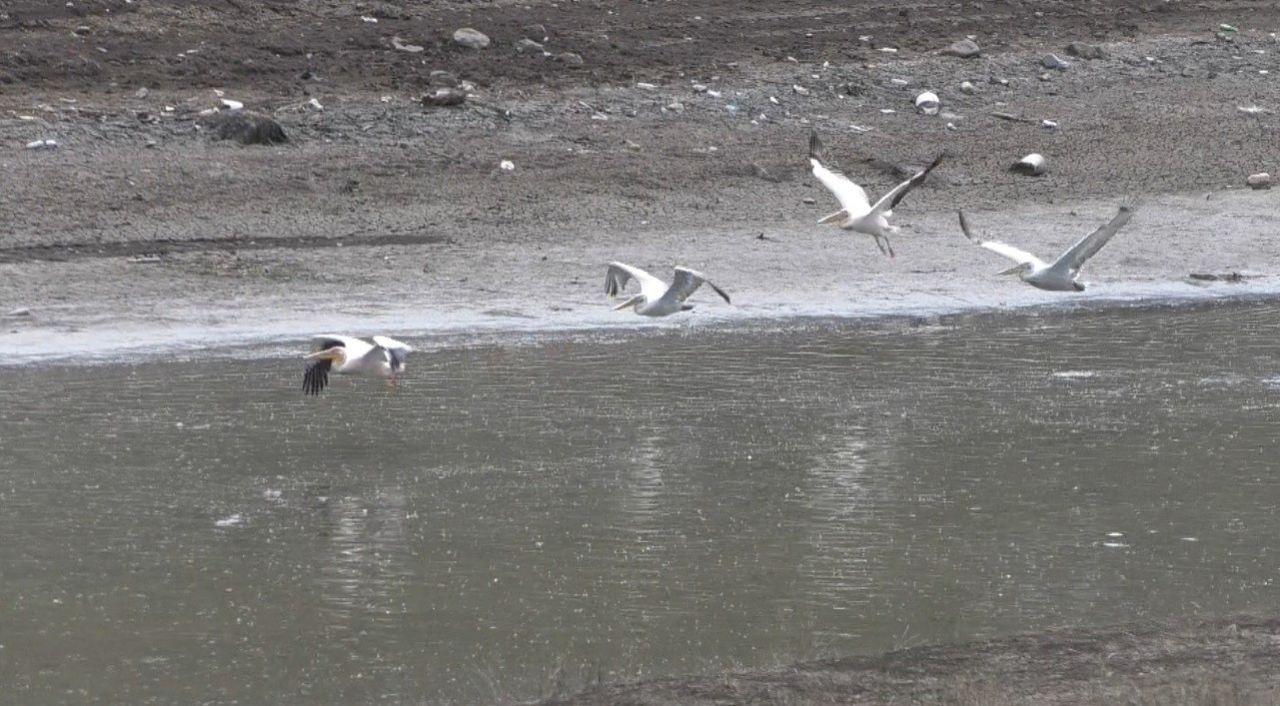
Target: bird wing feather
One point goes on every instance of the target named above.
(687, 281)
(852, 197)
(397, 352)
(895, 195)
(1018, 255)
(619, 274)
(1088, 246)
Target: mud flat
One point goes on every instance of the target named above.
(1221, 662)
(680, 138)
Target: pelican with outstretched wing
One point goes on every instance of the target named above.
(1061, 274)
(857, 213)
(656, 298)
(346, 355)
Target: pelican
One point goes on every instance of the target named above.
(1061, 274)
(856, 212)
(351, 356)
(655, 297)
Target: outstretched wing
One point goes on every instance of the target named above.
(397, 352)
(1016, 254)
(618, 274)
(890, 200)
(1089, 245)
(687, 281)
(851, 196)
(316, 377)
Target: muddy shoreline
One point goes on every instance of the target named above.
(1225, 661)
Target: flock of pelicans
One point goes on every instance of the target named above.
(385, 357)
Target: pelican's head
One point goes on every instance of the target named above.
(336, 354)
(1020, 269)
(636, 301)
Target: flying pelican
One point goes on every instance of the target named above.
(1061, 274)
(856, 212)
(655, 297)
(346, 355)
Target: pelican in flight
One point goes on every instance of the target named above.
(655, 297)
(856, 211)
(1059, 275)
(345, 355)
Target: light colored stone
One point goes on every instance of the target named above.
(964, 48)
(471, 38)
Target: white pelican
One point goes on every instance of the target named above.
(856, 212)
(1061, 274)
(655, 297)
(351, 356)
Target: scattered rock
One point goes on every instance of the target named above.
(1053, 61)
(1261, 180)
(444, 96)
(42, 145)
(1084, 50)
(82, 30)
(675, 107)
(633, 146)
(443, 78)
(507, 165)
(20, 311)
(141, 92)
(246, 127)
(968, 88)
(964, 48)
(471, 38)
(525, 46)
(800, 90)
(928, 103)
(1049, 124)
(808, 201)
(1215, 277)
(400, 44)
(1033, 164)
(228, 104)
(537, 32)
(569, 58)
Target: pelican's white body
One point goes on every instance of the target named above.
(857, 213)
(656, 298)
(346, 355)
(1060, 275)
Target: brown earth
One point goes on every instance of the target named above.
(139, 228)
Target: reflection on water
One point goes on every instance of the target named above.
(664, 502)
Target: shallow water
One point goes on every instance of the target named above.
(532, 512)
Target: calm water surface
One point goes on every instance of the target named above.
(637, 505)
